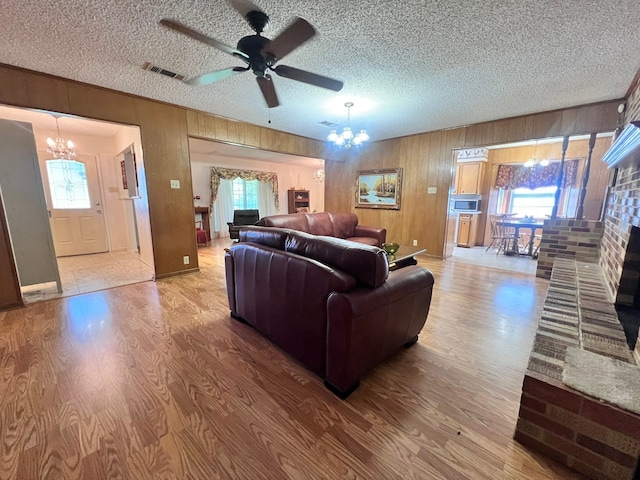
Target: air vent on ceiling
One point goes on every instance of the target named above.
(328, 124)
(162, 71)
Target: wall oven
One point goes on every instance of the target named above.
(465, 203)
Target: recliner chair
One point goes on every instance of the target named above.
(242, 218)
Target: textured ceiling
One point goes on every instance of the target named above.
(408, 67)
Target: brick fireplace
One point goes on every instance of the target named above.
(594, 437)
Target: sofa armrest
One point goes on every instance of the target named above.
(378, 233)
(365, 326)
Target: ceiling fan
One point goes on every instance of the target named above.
(259, 53)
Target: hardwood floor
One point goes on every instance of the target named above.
(155, 380)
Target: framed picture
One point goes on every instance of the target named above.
(379, 188)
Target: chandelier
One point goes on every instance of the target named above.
(532, 163)
(58, 147)
(347, 139)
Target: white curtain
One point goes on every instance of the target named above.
(223, 208)
(266, 203)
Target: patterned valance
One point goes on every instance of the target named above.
(218, 173)
(514, 176)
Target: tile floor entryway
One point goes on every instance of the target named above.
(89, 273)
(477, 256)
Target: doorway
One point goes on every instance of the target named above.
(99, 229)
(518, 181)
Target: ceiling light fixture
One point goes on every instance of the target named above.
(532, 163)
(318, 175)
(347, 139)
(58, 147)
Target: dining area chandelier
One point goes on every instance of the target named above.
(347, 139)
(533, 162)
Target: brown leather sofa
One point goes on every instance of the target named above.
(339, 225)
(330, 303)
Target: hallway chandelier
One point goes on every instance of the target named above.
(532, 163)
(347, 139)
(60, 148)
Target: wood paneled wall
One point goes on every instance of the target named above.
(426, 158)
(164, 130)
(427, 161)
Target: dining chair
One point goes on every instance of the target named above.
(501, 236)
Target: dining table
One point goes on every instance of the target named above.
(517, 224)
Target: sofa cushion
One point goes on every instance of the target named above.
(271, 237)
(320, 224)
(294, 221)
(344, 224)
(367, 264)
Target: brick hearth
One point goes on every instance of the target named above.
(593, 437)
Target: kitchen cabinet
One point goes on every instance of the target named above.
(469, 178)
(467, 229)
(298, 201)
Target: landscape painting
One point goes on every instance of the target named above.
(379, 188)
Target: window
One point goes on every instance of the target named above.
(537, 203)
(68, 184)
(245, 194)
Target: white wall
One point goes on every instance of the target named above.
(288, 176)
(125, 137)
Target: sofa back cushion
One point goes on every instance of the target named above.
(294, 221)
(344, 224)
(320, 224)
(271, 237)
(367, 264)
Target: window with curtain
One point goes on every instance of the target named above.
(245, 194)
(537, 203)
(234, 189)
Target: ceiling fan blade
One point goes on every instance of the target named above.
(268, 91)
(293, 36)
(216, 76)
(201, 37)
(308, 77)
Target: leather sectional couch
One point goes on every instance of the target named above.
(330, 303)
(339, 225)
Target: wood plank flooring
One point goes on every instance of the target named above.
(155, 380)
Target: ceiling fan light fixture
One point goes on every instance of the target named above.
(347, 139)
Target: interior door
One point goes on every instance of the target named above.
(73, 195)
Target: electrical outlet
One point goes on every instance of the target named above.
(175, 183)
(185, 259)
(415, 243)
(432, 190)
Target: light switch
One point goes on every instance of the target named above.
(432, 189)
(175, 183)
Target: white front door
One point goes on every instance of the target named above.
(73, 196)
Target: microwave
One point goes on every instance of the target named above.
(465, 203)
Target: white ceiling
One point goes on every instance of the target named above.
(408, 66)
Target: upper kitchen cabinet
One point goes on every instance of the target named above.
(470, 170)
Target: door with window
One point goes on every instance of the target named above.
(75, 205)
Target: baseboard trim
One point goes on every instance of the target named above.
(175, 274)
